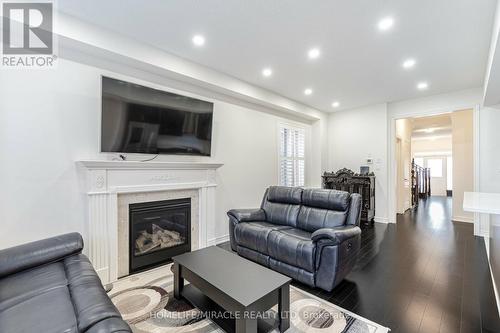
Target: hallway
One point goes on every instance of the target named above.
(424, 274)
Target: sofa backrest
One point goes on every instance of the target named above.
(323, 209)
(282, 205)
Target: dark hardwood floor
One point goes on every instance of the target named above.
(424, 274)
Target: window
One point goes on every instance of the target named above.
(436, 166)
(291, 155)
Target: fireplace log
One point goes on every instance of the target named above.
(159, 238)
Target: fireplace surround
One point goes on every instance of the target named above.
(127, 200)
(111, 186)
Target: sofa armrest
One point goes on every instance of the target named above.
(26, 256)
(337, 235)
(247, 215)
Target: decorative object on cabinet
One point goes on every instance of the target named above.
(346, 180)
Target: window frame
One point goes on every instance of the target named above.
(296, 127)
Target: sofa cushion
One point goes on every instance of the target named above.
(326, 199)
(323, 209)
(283, 194)
(292, 246)
(253, 235)
(282, 205)
(312, 219)
(19, 287)
(51, 311)
(71, 284)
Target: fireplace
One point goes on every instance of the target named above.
(159, 230)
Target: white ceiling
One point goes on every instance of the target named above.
(359, 65)
(431, 127)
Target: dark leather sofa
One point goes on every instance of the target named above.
(48, 286)
(311, 235)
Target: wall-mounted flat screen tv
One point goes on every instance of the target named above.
(138, 119)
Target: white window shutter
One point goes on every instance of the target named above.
(292, 156)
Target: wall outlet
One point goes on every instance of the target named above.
(369, 160)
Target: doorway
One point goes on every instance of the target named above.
(440, 147)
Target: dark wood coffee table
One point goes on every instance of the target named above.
(236, 289)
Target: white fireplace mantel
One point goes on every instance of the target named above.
(106, 180)
(115, 165)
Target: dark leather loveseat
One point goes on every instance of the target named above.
(311, 235)
(48, 286)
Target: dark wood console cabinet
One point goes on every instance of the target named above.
(347, 180)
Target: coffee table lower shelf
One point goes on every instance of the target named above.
(194, 296)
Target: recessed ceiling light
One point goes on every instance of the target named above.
(335, 104)
(422, 85)
(308, 91)
(385, 24)
(409, 63)
(429, 130)
(267, 72)
(198, 40)
(313, 53)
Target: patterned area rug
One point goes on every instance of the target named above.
(146, 302)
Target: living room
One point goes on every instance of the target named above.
(273, 94)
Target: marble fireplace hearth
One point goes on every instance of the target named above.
(111, 186)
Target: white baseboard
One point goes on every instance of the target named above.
(465, 219)
(218, 240)
(379, 219)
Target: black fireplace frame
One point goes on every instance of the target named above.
(138, 263)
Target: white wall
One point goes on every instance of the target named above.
(50, 118)
(355, 135)
(425, 146)
(246, 142)
(463, 162)
(489, 150)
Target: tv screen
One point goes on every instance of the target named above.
(138, 119)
